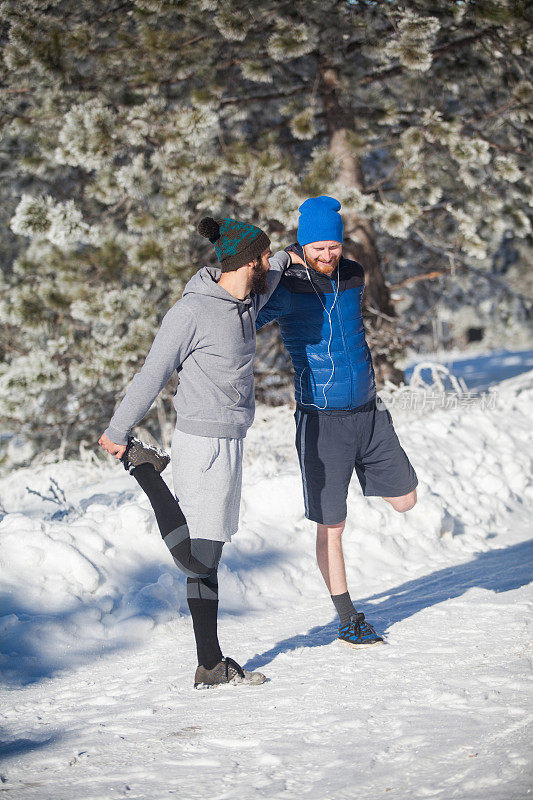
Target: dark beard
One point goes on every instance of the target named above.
(259, 280)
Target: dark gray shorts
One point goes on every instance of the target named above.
(332, 444)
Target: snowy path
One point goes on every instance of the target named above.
(98, 700)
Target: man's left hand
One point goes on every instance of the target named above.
(295, 258)
(116, 450)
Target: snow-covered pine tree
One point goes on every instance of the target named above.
(415, 116)
(123, 123)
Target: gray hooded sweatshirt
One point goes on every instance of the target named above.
(209, 337)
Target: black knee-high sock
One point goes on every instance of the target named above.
(202, 599)
(202, 580)
(171, 522)
(167, 511)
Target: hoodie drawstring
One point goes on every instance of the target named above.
(252, 326)
(242, 323)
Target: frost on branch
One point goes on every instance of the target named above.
(303, 125)
(257, 72)
(194, 127)
(134, 180)
(412, 47)
(66, 225)
(470, 241)
(26, 380)
(232, 24)
(470, 151)
(395, 219)
(86, 138)
(31, 216)
(143, 120)
(438, 130)
(322, 170)
(351, 198)
(519, 222)
(506, 168)
(412, 140)
(60, 223)
(290, 41)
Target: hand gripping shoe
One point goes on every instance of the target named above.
(137, 453)
(226, 671)
(358, 632)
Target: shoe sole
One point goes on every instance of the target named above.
(152, 455)
(203, 686)
(359, 644)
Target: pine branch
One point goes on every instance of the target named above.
(441, 249)
(391, 72)
(498, 146)
(13, 90)
(382, 315)
(494, 113)
(261, 97)
(423, 276)
(378, 184)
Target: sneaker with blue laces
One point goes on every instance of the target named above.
(358, 632)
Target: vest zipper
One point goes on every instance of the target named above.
(341, 325)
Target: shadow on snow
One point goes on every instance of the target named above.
(37, 644)
(34, 646)
(498, 570)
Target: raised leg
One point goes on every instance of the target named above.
(196, 558)
(404, 502)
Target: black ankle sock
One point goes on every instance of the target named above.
(345, 607)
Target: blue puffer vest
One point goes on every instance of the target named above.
(342, 378)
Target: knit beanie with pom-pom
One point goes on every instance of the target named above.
(236, 243)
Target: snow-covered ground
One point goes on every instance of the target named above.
(97, 644)
(480, 370)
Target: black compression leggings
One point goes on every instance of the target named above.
(197, 558)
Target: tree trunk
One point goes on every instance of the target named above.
(360, 241)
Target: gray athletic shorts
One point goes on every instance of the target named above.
(332, 444)
(207, 476)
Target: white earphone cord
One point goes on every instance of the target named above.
(329, 313)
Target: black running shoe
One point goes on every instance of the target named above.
(226, 671)
(358, 632)
(137, 453)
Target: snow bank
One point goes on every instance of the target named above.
(91, 574)
(97, 646)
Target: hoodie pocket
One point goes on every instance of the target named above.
(240, 392)
(245, 391)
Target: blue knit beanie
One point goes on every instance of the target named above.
(320, 220)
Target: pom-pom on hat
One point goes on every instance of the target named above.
(236, 243)
(320, 220)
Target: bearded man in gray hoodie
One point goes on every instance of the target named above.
(209, 338)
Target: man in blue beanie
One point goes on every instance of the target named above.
(340, 425)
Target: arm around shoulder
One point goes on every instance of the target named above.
(278, 264)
